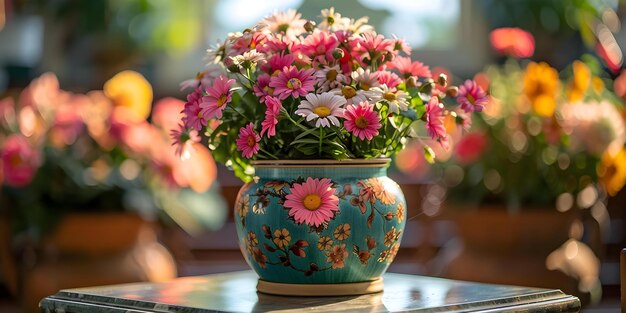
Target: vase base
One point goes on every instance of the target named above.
(317, 290)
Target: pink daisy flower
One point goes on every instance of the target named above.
(183, 139)
(434, 121)
(248, 141)
(193, 117)
(219, 95)
(262, 87)
(19, 161)
(289, 22)
(472, 97)
(278, 62)
(293, 82)
(319, 46)
(392, 80)
(362, 121)
(408, 68)
(313, 202)
(401, 45)
(373, 43)
(271, 116)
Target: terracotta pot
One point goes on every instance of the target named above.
(96, 249)
(334, 223)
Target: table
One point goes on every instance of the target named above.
(236, 292)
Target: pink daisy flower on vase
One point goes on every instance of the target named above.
(434, 121)
(472, 97)
(271, 116)
(330, 78)
(193, 117)
(365, 79)
(362, 121)
(319, 46)
(262, 87)
(289, 23)
(19, 161)
(219, 95)
(312, 202)
(401, 45)
(183, 139)
(248, 141)
(408, 68)
(392, 80)
(325, 107)
(293, 82)
(278, 62)
(373, 43)
(248, 40)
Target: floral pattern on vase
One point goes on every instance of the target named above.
(317, 229)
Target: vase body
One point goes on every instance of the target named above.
(361, 210)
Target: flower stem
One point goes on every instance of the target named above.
(240, 114)
(269, 154)
(321, 138)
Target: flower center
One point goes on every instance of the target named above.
(365, 86)
(322, 111)
(361, 122)
(221, 100)
(471, 99)
(348, 92)
(331, 75)
(312, 202)
(283, 28)
(251, 141)
(269, 90)
(330, 20)
(390, 96)
(294, 83)
(200, 75)
(200, 115)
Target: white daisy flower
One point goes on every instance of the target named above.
(332, 21)
(330, 78)
(365, 79)
(359, 26)
(290, 23)
(251, 56)
(216, 53)
(353, 96)
(396, 99)
(325, 107)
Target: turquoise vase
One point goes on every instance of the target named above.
(320, 222)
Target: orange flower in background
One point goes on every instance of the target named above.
(541, 84)
(580, 83)
(513, 42)
(132, 95)
(612, 171)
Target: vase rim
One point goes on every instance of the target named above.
(378, 162)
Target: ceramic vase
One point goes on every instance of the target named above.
(320, 227)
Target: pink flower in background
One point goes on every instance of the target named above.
(362, 121)
(219, 95)
(319, 46)
(619, 85)
(278, 62)
(401, 45)
(472, 97)
(391, 79)
(513, 42)
(375, 43)
(408, 68)
(193, 117)
(289, 22)
(434, 121)
(312, 202)
(166, 113)
(19, 161)
(248, 141)
(293, 82)
(470, 147)
(271, 116)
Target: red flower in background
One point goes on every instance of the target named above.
(470, 148)
(513, 42)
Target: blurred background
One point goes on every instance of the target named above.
(85, 83)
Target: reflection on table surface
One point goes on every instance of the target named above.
(236, 292)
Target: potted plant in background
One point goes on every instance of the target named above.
(84, 176)
(533, 171)
(307, 114)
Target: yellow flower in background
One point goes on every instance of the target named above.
(131, 93)
(541, 83)
(597, 84)
(580, 83)
(612, 171)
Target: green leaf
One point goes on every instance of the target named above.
(305, 140)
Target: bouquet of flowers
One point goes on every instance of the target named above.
(63, 152)
(289, 88)
(545, 136)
